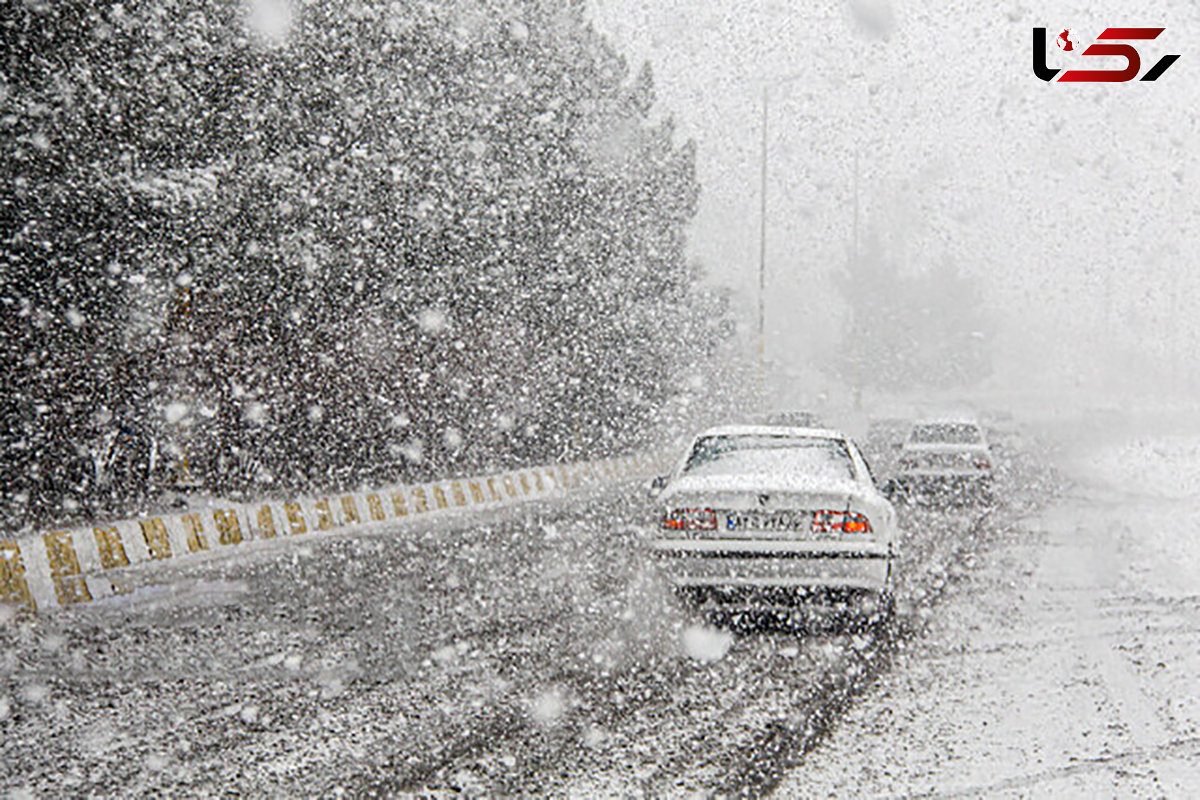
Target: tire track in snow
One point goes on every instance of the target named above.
(1176, 749)
(786, 741)
(696, 737)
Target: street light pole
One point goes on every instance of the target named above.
(762, 244)
(858, 362)
(856, 149)
(762, 213)
(762, 220)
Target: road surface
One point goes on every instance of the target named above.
(1066, 666)
(530, 650)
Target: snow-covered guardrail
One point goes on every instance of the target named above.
(69, 566)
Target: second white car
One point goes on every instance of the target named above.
(946, 458)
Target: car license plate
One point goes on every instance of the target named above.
(769, 521)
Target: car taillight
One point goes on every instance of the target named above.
(690, 519)
(840, 522)
(856, 523)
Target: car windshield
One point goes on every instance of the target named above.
(946, 433)
(750, 454)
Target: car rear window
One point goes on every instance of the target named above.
(946, 433)
(764, 454)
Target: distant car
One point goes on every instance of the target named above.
(794, 419)
(759, 517)
(945, 458)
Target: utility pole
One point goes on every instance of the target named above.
(762, 211)
(856, 149)
(858, 362)
(762, 245)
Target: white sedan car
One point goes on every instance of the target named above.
(762, 517)
(946, 456)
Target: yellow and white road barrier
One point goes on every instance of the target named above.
(77, 565)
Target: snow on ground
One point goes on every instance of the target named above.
(1067, 667)
(524, 652)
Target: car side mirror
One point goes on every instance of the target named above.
(656, 485)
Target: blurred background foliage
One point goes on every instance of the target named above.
(341, 244)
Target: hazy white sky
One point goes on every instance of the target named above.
(1076, 203)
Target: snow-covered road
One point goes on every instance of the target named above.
(1067, 666)
(529, 650)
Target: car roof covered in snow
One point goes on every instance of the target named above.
(949, 418)
(771, 430)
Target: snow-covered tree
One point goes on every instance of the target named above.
(372, 240)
